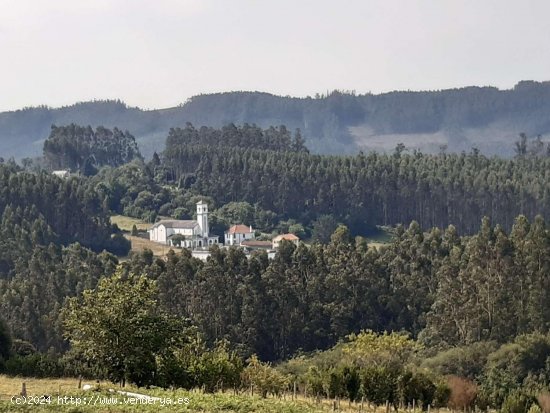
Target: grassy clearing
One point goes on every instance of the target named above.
(139, 244)
(172, 401)
(126, 223)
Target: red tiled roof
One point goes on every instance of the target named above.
(239, 229)
(287, 237)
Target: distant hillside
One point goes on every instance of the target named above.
(485, 117)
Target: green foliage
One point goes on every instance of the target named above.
(323, 228)
(35, 365)
(83, 149)
(218, 369)
(442, 394)
(379, 384)
(535, 408)
(516, 402)
(391, 350)
(263, 378)
(465, 361)
(524, 363)
(416, 387)
(119, 328)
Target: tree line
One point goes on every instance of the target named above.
(364, 190)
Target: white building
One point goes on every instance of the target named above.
(63, 173)
(186, 233)
(237, 234)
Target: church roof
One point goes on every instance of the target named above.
(177, 223)
(239, 229)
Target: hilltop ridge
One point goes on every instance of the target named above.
(337, 123)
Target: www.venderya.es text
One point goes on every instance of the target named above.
(98, 400)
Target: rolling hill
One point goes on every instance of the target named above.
(459, 119)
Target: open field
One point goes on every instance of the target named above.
(139, 244)
(125, 223)
(103, 400)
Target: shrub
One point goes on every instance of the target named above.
(516, 402)
(263, 377)
(34, 365)
(380, 384)
(466, 361)
(415, 387)
(314, 381)
(534, 409)
(463, 393)
(441, 395)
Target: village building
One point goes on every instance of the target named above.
(285, 237)
(237, 234)
(63, 173)
(185, 233)
(253, 245)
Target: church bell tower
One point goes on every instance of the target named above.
(202, 218)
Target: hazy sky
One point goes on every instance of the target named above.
(158, 53)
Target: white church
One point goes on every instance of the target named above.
(187, 233)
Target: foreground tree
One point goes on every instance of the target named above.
(119, 328)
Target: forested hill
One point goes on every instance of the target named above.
(483, 117)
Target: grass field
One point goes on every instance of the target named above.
(139, 244)
(125, 223)
(103, 400)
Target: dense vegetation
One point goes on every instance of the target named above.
(82, 149)
(483, 117)
(471, 299)
(363, 190)
(40, 214)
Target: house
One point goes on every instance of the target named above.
(286, 237)
(186, 233)
(237, 234)
(63, 173)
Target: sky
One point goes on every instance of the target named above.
(159, 53)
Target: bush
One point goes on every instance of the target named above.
(380, 384)
(516, 402)
(314, 381)
(415, 387)
(22, 348)
(441, 395)
(34, 365)
(463, 393)
(263, 377)
(466, 361)
(524, 363)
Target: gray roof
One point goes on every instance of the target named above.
(177, 223)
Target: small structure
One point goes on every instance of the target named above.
(237, 234)
(63, 173)
(285, 237)
(256, 245)
(185, 233)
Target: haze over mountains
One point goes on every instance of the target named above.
(483, 117)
